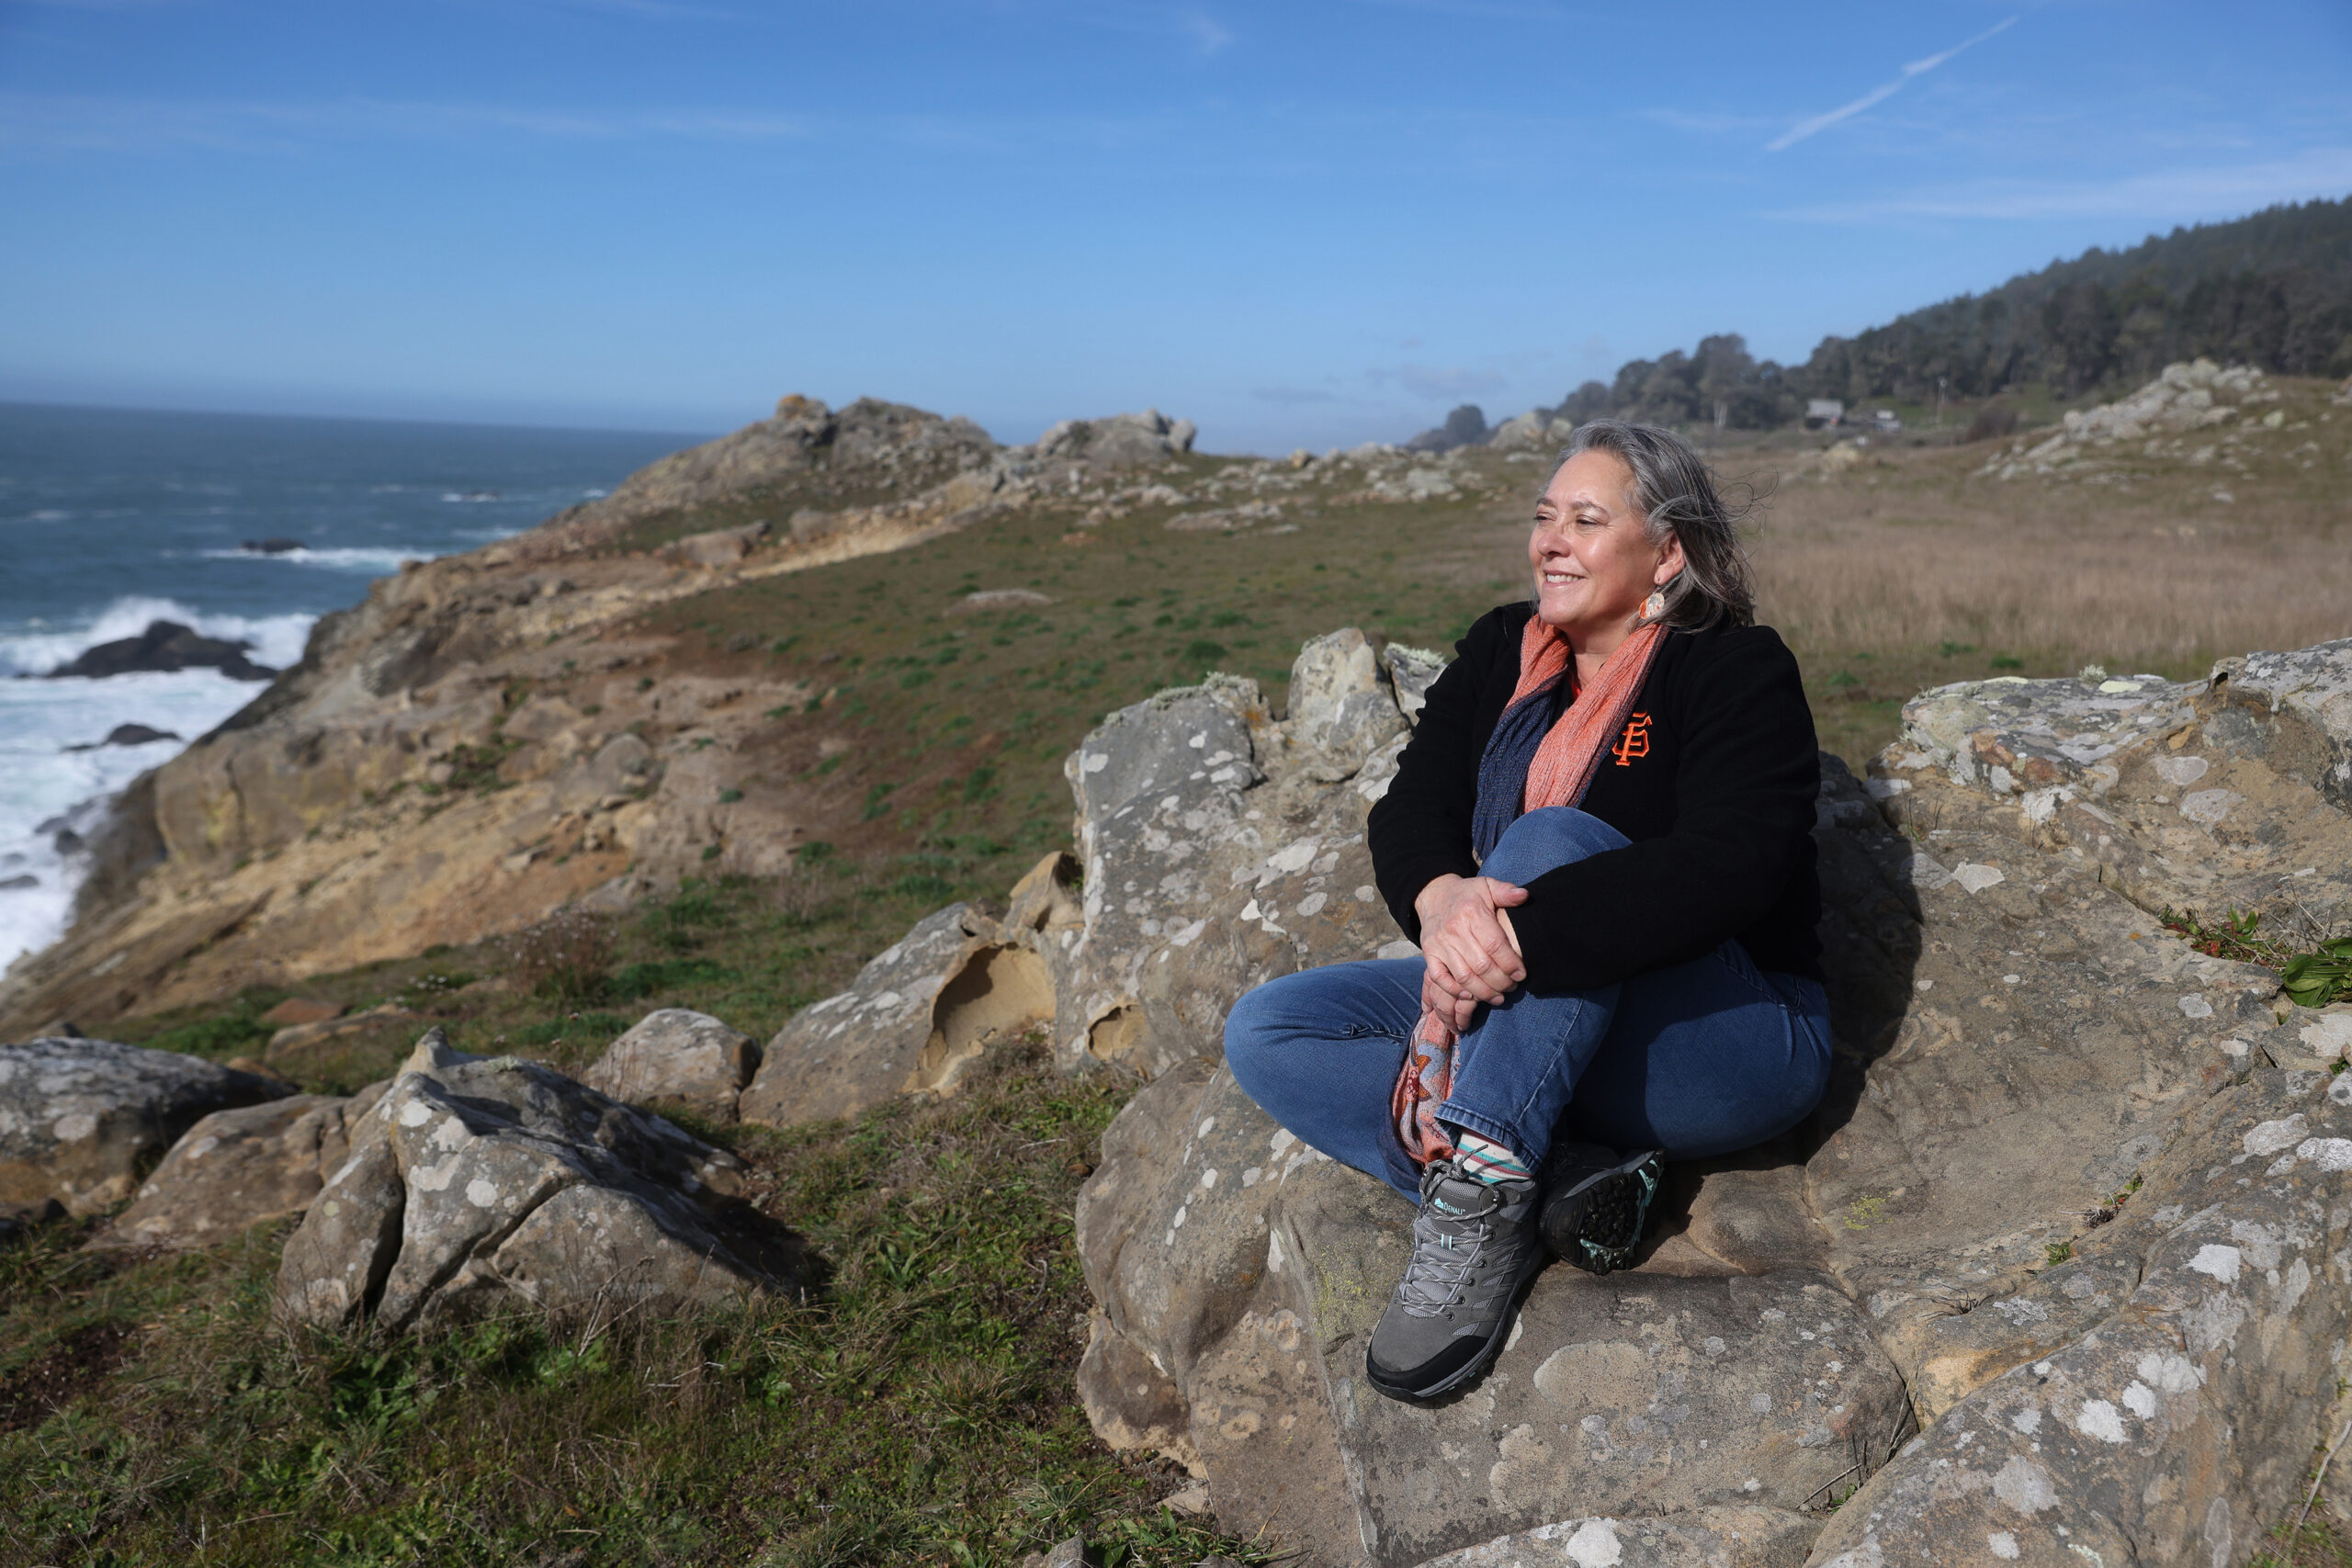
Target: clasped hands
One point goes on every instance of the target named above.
(1470, 953)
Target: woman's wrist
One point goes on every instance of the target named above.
(1429, 903)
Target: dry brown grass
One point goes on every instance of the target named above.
(1913, 568)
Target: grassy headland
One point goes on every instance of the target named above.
(919, 1408)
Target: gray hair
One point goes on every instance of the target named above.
(1677, 496)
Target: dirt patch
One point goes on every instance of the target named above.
(72, 1367)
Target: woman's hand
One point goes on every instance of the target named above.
(1471, 952)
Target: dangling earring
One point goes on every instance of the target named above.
(1654, 607)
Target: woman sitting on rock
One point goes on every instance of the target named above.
(1601, 837)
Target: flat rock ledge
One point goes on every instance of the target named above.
(484, 1184)
(2058, 1272)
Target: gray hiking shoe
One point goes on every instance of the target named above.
(1474, 1247)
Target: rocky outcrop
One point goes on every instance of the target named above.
(81, 1121)
(678, 1056)
(890, 441)
(476, 1183)
(165, 646)
(2165, 417)
(1123, 440)
(2057, 1263)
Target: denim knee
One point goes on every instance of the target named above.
(1546, 839)
(1247, 1030)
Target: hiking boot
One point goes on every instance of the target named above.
(1474, 1247)
(1600, 1204)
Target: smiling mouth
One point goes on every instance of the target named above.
(1559, 577)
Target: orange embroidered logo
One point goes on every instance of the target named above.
(1635, 742)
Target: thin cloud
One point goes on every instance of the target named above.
(1441, 380)
(2178, 195)
(56, 123)
(1877, 95)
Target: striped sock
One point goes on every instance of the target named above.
(1483, 1159)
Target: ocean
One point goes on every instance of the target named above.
(112, 518)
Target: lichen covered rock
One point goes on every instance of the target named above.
(479, 1182)
(81, 1120)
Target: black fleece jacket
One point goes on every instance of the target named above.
(1715, 788)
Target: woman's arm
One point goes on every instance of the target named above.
(1744, 788)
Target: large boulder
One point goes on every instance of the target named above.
(2077, 1183)
(1122, 440)
(479, 1183)
(240, 1168)
(678, 1056)
(916, 1016)
(81, 1121)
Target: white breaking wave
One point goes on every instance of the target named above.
(37, 650)
(374, 562)
(47, 795)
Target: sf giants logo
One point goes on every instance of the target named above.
(1635, 742)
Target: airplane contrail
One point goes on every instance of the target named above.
(1876, 96)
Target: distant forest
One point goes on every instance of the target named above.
(2274, 290)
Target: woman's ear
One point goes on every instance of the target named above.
(1670, 562)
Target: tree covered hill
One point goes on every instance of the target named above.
(2274, 290)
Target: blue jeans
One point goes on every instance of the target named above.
(1696, 1059)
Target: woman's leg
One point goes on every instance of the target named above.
(1519, 1063)
(1319, 1052)
(1703, 1058)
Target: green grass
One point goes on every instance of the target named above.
(916, 1408)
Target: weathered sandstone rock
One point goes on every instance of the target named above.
(916, 1015)
(2025, 1053)
(679, 1056)
(483, 1182)
(81, 1120)
(237, 1168)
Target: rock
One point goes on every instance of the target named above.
(1411, 673)
(1536, 430)
(1001, 599)
(719, 548)
(2300, 704)
(2047, 1111)
(81, 1120)
(1340, 704)
(918, 1014)
(1717, 1536)
(1123, 440)
(301, 1009)
(128, 735)
(678, 1056)
(490, 1183)
(165, 646)
(271, 546)
(803, 437)
(1252, 1269)
(2176, 1416)
(237, 1168)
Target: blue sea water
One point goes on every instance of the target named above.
(111, 518)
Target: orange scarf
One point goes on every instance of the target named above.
(1559, 774)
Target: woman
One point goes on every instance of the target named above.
(1601, 838)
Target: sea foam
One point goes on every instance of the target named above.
(48, 794)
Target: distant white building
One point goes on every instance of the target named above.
(1887, 422)
(1820, 412)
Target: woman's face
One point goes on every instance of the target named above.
(1594, 564)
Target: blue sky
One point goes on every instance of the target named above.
(1297, 224)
